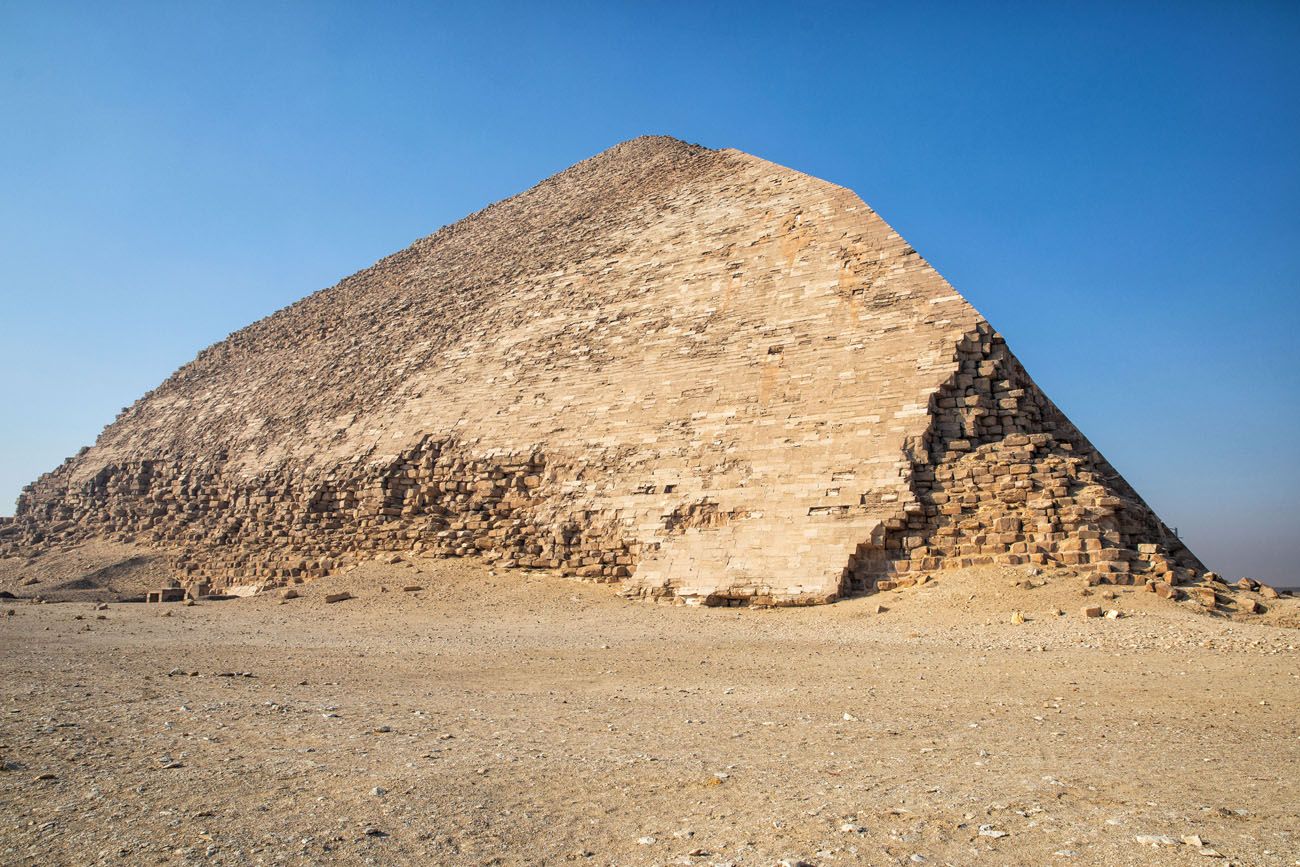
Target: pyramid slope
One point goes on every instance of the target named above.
(693, 372)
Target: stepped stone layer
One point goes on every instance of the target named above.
(693, 372)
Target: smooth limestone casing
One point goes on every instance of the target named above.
(694, 372)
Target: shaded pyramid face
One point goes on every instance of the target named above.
(693, 372)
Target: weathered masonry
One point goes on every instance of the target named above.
(692, 372)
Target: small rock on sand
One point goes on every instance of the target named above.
(1156, 840)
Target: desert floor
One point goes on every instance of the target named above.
(519, 718)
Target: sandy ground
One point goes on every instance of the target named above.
(528, 719)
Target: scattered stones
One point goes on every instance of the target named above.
(1091, 611)
(733, 692)
(289, 593)
(412, 588)
(1017, 617)
(338, 597)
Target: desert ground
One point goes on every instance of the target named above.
(524, 718)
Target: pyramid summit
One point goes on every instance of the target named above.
(692, 372)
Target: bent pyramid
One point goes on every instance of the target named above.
(693, 372)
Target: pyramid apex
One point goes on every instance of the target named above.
(650, 146)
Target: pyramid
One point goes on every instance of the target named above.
(692, 372)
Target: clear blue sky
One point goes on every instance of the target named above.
(1115, 186)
